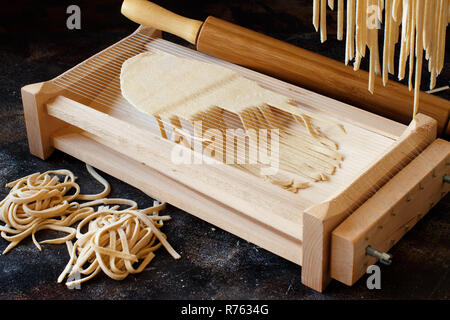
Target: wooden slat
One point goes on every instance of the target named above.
(320, 220)
(383, 219)
(260, 200)
(81, 146)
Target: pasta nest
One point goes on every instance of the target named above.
(115, 241)
(107, 239)
(42, 201)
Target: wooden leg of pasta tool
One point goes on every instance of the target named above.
(38, 123)
(383, 219)
(320, 220)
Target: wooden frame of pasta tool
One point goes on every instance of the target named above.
(78, 113)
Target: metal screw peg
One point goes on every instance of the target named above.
(446, 178)
(383, 257)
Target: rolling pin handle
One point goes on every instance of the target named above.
(383, 257)
(151, 15)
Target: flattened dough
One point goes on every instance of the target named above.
(162, 84)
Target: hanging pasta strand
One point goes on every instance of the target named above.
(372, 62)
(340, 20)
(377, 54)
(428, 19)
(423, 28)
(358, 34)
(323, 21)
(430, 27)
(397, 10)
(364, 29)
(412, 43)
(331, 4)
(443, 21)
(316, 12)
(419, 53)
(387, 39)
(434, 48)
(405, 41)
(380, 10)
(350, 46)
(371, 43)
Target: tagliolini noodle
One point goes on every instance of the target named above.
(115, 239)
(423, 27)
(41, 201)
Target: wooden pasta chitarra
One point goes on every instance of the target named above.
(391, 176)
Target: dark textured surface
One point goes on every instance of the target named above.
(214, 264)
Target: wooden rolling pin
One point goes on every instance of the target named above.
(284, 61)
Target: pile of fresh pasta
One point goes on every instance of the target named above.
(423, 27)
(106, 238)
